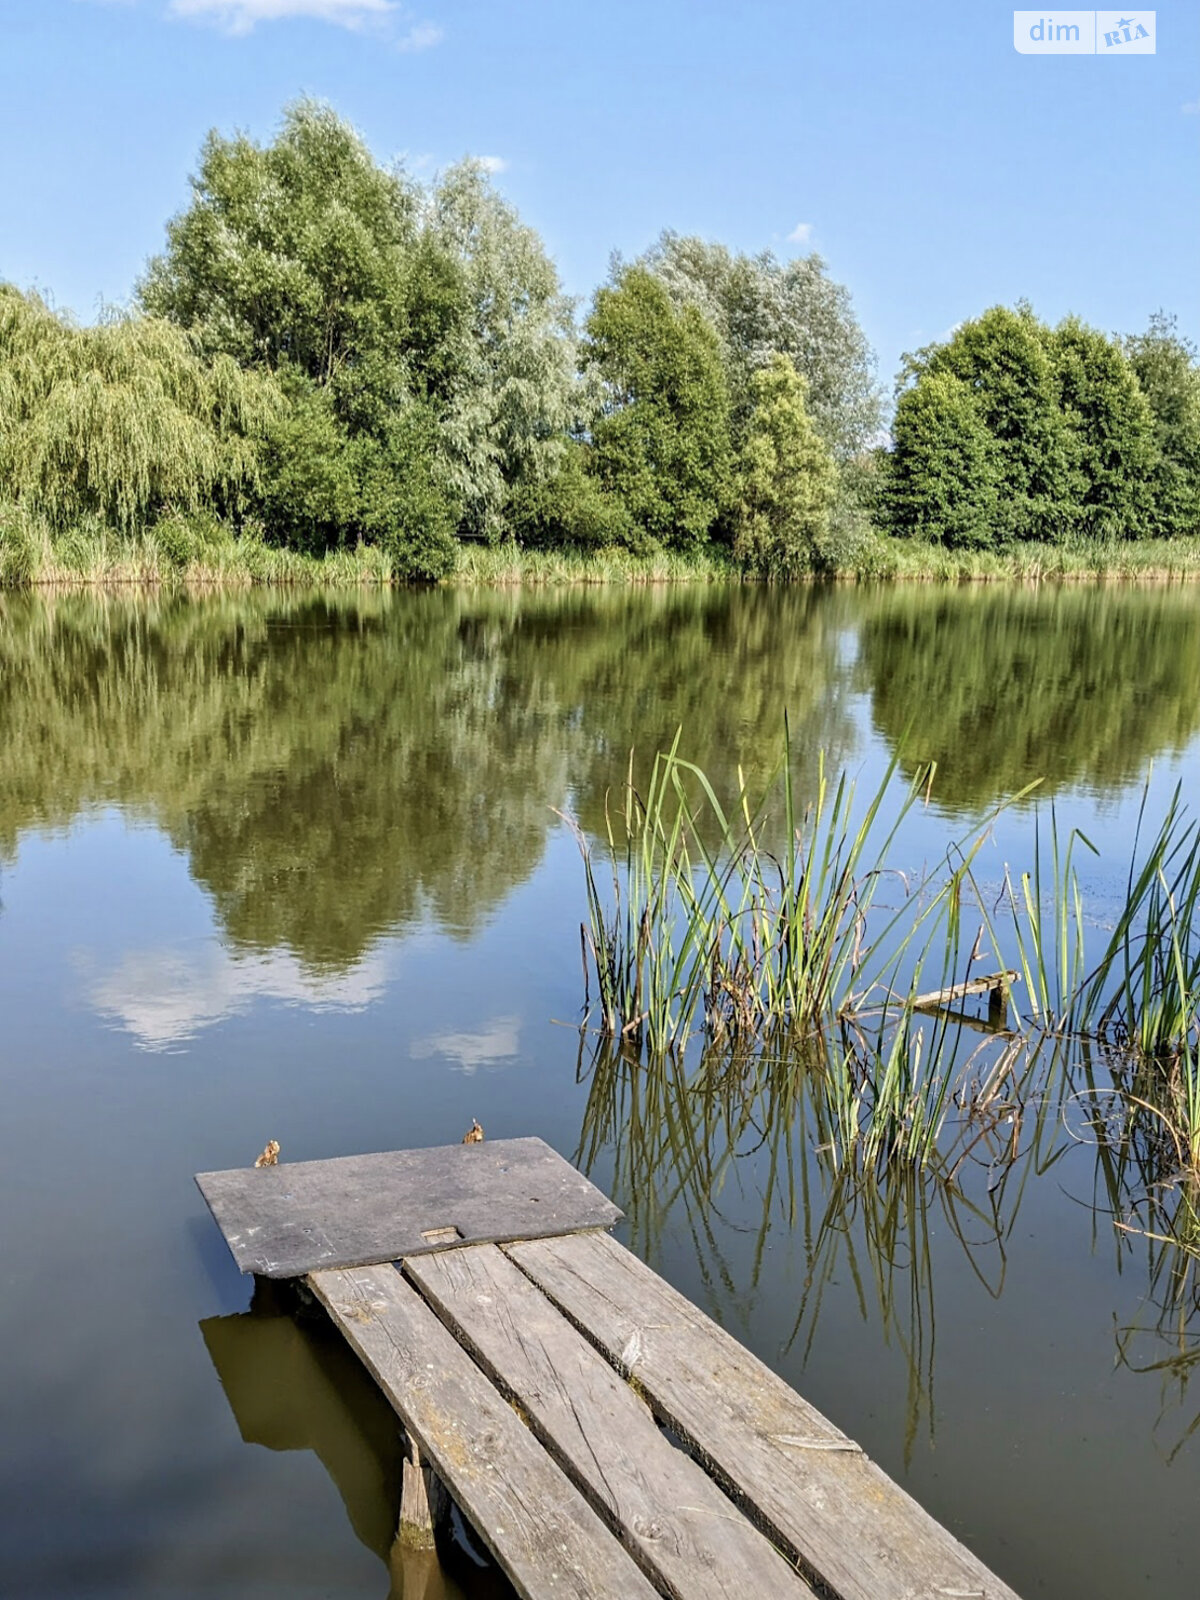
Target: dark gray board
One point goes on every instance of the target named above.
(353, 1211)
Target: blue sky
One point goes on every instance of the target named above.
(934, 168)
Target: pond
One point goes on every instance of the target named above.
(291, 866)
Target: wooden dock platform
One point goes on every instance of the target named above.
(604, 1438)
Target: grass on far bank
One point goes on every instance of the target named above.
(199, 553)
(1158, 560)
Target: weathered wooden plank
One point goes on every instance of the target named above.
(679, 1526)
(544, 1535)
(284, 1221)
(997, 985)
(824, 1503)
(423, 1502)
(990, 983)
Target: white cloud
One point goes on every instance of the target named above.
(240, 16)
(495, 1041)
(164, 997)
(423, 36)
(493, 164)
(1191, 108)
(801, 233)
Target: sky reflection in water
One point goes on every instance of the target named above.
(288, 867)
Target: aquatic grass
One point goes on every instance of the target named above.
(882, 557)
(507, 564)
(1041, 918)
(705, 931)
(706, 928)
(1147, 984)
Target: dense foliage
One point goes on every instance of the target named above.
(661, 442)
(122, 420)
(330, 356)
(786, 479)
(1167, 370)
(1012, 430)
(761, 308)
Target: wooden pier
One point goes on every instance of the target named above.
(604, 1438)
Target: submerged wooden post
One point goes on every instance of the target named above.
(415, 1574)
(998, 1005)
(423, 1501)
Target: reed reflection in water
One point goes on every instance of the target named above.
(697, 1134)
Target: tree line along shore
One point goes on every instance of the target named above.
(333, 372)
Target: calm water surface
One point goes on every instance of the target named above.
(290, 867)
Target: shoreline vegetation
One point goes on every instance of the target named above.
(334, 373)
(95, 559)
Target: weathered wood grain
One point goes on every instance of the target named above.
(544, 1535)
(823, 1502)
(284, 1221)
(423, 1501)
(679, 1526)
(990, 983)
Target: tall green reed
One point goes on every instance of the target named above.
(699, 929)
(704, 928)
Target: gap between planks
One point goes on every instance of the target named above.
(544, 1536)
(818, 1497)
(680, 1527)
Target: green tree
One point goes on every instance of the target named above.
(662, 440)
(1111, 432)
(942, 482)
(1167, 370)
(1004, 358)
(571, 508)
(123, 421)
(513, 392)
(308, 258)
(292, 255)
(763, 307)
(326, 486)
(786, 481)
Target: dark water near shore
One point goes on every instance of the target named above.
(287, 866)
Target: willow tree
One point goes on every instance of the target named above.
(762, 307)
(303, 259)
(512, 393)
(293, 254)
(124, 420)
(426, 325)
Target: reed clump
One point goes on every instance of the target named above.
(698, 929)
(702, 927)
